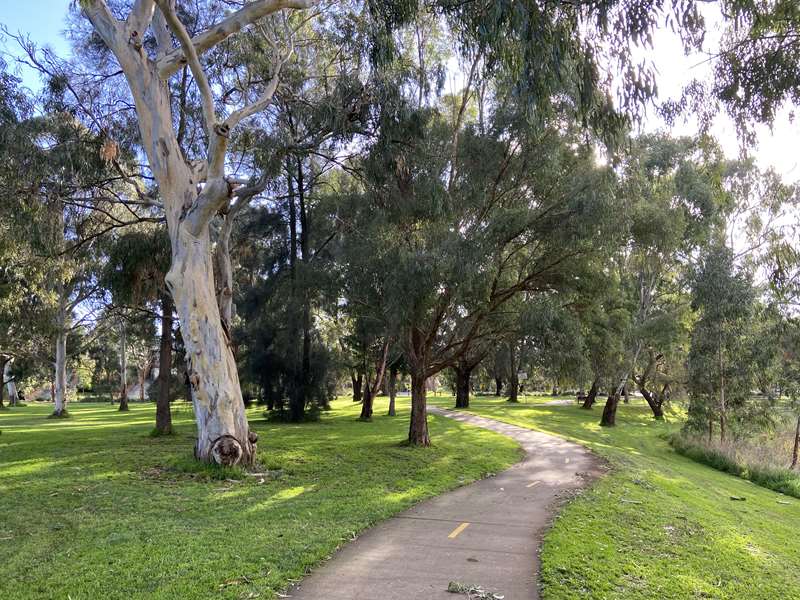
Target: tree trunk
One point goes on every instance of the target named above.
(653, 402)
(123, 369)
(366, 404)
(60, 387)
(224, 435)
(513, 388)
(591, 396)
(163, 411)
(371, 389)
(796, 449)
(609, 418)
(554, 392)
(418, 426)
(513, 381)
(498, 386)
(722, 408)
(13, 397)
(357, 383)
(463, 373)
(392, 391)
(3, 364)
(625, 398)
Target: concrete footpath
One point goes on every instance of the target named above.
(487, 533)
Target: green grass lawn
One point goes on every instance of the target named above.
(659, 525)
(92, 507)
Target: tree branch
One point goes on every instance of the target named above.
(232, 24)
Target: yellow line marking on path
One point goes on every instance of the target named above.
(457, 530)
(533, 484)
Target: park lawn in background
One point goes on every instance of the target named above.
(658, 525)
(93, 507)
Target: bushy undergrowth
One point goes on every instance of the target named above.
(756, 462)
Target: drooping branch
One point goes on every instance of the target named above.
(248, 14)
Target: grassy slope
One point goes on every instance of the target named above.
(660, 525)
(88, 511)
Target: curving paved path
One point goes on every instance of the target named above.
(487, 533)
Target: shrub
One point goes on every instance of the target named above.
(740, 461)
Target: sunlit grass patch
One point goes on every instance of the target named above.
(93, 507)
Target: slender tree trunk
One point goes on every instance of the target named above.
(163, 410)
(463, 373)
(13, 397)
(625, 398)
(609, 418)
(142, 378)
(796, 449)
(513, 381)
(123, 368)
(3, 364)
(60, 387)
(722, 407)
(371, 389)
(392, 391)
(418, 426)
(305, 257)
(357, 383)
(591, 396)
(554, 392)
(498, 386)
(366, 404)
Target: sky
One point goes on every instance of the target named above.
(44, 22)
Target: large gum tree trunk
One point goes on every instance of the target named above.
(223, 434)
(498, 386)
(163, 411)
(462, 373)
(418, 426)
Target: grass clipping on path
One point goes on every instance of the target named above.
(659, 525)
(92, 507)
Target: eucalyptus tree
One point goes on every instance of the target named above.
(720, 369)
(193, 191)
(451, 254)
(673, 198)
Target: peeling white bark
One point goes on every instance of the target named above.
(60, 364)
